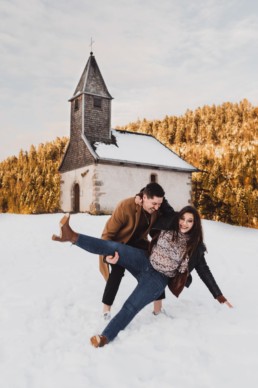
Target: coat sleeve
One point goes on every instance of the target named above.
(166, 208)
(206, 276)
(166, 218)
(112, 227)
(115, 223)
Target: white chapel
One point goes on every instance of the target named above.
(102, 166)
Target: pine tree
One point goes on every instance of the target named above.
(222, 142)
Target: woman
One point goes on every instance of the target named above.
(177, 250)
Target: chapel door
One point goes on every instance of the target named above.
(76, 197)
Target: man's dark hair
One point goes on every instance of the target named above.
(153, 190)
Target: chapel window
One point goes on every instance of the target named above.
(97, 102)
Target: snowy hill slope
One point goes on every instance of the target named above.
(50, 301)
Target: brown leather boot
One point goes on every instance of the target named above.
(66, 233)
(98, 341)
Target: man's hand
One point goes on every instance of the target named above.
(112, 259)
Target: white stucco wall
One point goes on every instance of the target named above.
(83, 177)
(120, 182)
(103, 186)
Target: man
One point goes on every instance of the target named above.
(131, 223)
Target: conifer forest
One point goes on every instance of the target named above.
(221, 141)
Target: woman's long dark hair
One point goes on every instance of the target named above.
(196, 233)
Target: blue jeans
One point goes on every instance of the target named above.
(150, 282)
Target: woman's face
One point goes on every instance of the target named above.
(186, 222)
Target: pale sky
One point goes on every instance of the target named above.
(157, 57)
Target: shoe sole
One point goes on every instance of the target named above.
(64, 219)
(95, 341)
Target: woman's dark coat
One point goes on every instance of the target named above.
(197, 260)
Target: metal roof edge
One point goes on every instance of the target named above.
(156, 166)
(93, 153)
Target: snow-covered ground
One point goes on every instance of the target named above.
(50, 305)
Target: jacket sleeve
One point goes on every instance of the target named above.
(112, 227)
(206, 276)
(166, 218)
(114, 224)
(166, 208)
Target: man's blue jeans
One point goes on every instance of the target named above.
(150, 282)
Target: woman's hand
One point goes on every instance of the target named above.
(228, 304)
(138, 200)
(223, 300)
(112, 259)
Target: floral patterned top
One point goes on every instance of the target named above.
(169, 255)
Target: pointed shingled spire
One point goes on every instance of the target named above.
(91, 81)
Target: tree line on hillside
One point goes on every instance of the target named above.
(30, 183)
(221, 141)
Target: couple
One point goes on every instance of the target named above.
(177, 248)
(131, 222)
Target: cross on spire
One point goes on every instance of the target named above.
(91, 44)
